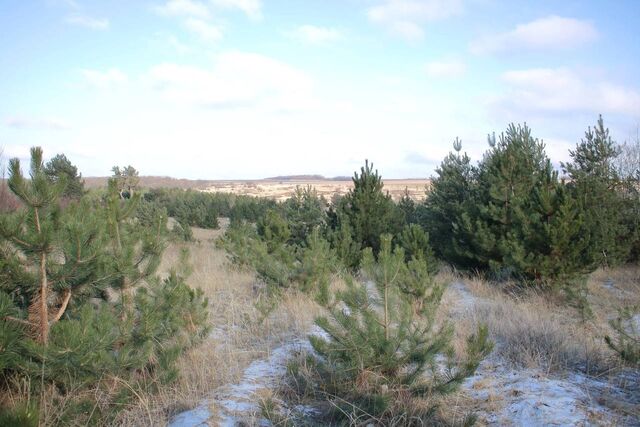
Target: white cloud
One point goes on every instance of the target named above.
(406, 18)
(88, 22)
(316, 35)
(184, 8)
(203, 29)
(236, 80)
(562, 90)
(178, 45)
(446, 68)
(35, 123)
(252, 8)
(550, 33)
(104, 79)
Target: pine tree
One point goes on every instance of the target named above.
(415, 243)
(59, 323)
(368, 210)
(304, 212)
(341, 237)
(317, 263)
(449, 197)
(33, 233)
(597, 188)
(382, 341)
(126, 180)
(511, 216)
(407, 206)
(59, 167)
(135, 251)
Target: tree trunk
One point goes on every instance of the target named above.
(40, 307)
(44, 307)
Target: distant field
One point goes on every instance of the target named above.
(275, 188)
(282, 190)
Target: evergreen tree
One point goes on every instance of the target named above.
(449, 198)
(415, 243)
(511, 216)
(628, 168)
(597, 188)
(59, 167)
(380, 349)
(341, 238)
(134, 251)
(317, 263)
(126, 180)
(33, 233)
(408, 208)
(368, 210)
(60, 324)
(304, 211)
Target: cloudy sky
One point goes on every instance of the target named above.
(254, 88)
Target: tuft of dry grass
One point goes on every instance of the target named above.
(532, 329)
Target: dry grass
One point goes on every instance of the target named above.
(530, 329)
(237, 337)
(536, 330)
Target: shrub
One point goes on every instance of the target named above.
(380, 350)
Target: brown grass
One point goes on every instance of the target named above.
(530, 329)
(237, 338)
(533, 329)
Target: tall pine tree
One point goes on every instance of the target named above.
(597, 188)
(369, 211)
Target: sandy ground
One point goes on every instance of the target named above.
(282, 190)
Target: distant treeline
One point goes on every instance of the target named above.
(202, 209)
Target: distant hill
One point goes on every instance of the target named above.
(296, 178)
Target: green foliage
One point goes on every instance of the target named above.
(382, 342)
(12, 334)
(415, 243)
(80, 306)
(182, 230)
(278, 263)
(449, 204)
(347, 249)
(304, 212)
(21, 416)
(367, 211)
(317, 263)
(274, 230)
(511, 216)
(126, 180)
(627, 341)
(194, 208)
(596, 186)
(408, 208)
(59, 168)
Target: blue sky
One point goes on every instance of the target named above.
(253, 88)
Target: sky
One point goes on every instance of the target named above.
(247, 89)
